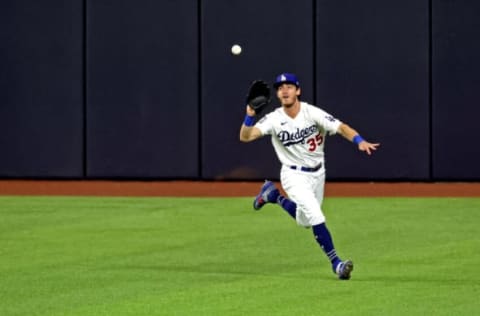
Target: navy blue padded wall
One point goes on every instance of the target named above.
(372, 72)
(456, 65)
(275, 38)
(142, 80)
(41, 113)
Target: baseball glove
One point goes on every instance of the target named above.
(258, 96)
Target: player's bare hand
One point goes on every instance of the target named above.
(368, 147)
(250, 111)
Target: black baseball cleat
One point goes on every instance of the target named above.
(263, 197)
(344, 270)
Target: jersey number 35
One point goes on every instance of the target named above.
(314, 142)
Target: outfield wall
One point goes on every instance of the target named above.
(149, 90)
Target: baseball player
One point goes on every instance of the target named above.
(298, 131)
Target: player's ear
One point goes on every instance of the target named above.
(299, 91)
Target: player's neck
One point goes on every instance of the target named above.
(293, 109)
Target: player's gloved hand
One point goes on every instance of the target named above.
(258, 96)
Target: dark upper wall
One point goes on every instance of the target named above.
(372, 72)
(140, 89)
(41, 89)
(455, 90)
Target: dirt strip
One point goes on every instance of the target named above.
(215, 188)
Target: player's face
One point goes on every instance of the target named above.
(288, 94)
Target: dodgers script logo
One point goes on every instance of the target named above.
(291, 138)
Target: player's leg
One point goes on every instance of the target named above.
(324, 237)
(319, 228)
(296, 183)
(287, 205)
(270, 194)
(325, 240)
(306, 189)
(301, 198)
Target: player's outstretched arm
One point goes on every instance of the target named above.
(353, 136)
(248, 132)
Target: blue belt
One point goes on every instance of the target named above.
(306, 169)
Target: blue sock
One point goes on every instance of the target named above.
(324, 239)
(289, 206)
(273, 196)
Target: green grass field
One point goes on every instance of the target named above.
(216, 256)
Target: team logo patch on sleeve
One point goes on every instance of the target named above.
(330, 118)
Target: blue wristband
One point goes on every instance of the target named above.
(249, 120)
(357, 139)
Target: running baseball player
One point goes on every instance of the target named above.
(298, 131)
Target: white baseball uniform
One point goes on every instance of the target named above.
(299, 144)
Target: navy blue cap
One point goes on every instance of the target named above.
(286, 78)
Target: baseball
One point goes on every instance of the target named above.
(236, 49)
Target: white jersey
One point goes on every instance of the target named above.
(299, 141)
